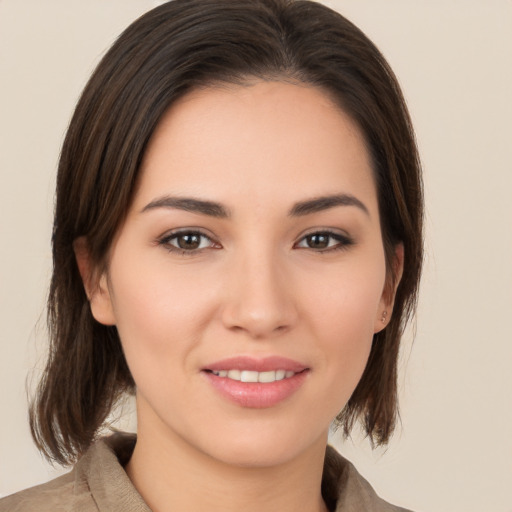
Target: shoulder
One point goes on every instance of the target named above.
(55, 496)
(350, 491)
(97, 483)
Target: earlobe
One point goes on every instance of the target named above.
(388, 295)
(96, 287)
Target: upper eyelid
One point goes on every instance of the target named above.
(202, 232)
(343, 239)
(183, 231)
(166, 238)
(325, 231)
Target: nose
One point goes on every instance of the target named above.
(259, 297)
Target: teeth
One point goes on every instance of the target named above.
(267, 377)
(251, 376)
(247, 376)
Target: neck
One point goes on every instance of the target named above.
(171, 475)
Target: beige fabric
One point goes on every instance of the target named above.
(98, 483)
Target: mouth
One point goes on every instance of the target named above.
(254, 376)
(256, 383)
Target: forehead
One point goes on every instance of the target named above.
(266, 138)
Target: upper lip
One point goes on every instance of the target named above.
(257, 364)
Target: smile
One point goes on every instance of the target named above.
(254, 376)
(255, 382)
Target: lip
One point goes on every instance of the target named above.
(254, 364)
(256, 395)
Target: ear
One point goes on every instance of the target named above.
(387, 300)
(96, 287)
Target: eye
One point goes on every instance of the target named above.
(324, 241)
(186, 241)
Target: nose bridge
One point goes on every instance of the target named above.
(259, 299)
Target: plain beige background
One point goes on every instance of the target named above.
(454, 60)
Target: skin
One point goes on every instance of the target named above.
(256, 286)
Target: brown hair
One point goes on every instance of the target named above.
(179, 46)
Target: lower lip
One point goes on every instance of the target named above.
(257, 395)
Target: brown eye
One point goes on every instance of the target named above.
(318, 241)
(188, 241)
(324, 241)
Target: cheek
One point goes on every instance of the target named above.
(342, 316)
(159, 312)
(346, 301)
(346, 331)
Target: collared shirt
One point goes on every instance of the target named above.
(99, 483)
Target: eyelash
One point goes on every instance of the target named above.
(168, 238)
(343, 241)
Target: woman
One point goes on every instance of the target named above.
(238, 241)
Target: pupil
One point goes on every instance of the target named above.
(188, 241)
(318, 241)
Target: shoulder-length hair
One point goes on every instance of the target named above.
(169, 51)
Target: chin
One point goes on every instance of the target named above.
(255, 455)
(259, 448)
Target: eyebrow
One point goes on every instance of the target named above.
(214, 209)
(321, 203)
(189, 204)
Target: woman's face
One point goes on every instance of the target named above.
(252, 251)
